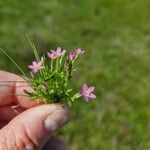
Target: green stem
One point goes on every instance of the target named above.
(61, 58)
(51, 64)
(57, 61)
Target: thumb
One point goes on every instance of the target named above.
(32, 128)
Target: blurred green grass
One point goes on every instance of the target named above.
(116, 37)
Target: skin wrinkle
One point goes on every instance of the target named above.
(25, 139)
(3, 141)
(43, 126)
(29, 143)
(6, 141)
(17, 144)
(10, 137)
(57, 124)
(28, 140)
(27, 133)
(43, 122)
(53, 112)
(8, 95)
(18, 86)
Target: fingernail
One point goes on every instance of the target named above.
(57, 119)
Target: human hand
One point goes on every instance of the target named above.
(26, 124)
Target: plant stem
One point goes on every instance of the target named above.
(57, 61)
(51, 64)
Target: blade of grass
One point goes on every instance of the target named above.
(12, 60)
(33, 48)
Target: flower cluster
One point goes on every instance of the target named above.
(51, 75)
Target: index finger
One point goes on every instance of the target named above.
(12, 90)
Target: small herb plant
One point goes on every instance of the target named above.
(51, 77)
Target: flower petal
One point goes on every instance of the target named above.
(31, 66)
(91, 89)
(79, 51)
(40, 63)
(34, 63)
(84, 87)
(51, 55)
(91, 95)
(58, 50)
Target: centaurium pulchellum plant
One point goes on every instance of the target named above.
(51, 76)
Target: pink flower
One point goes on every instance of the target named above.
(53, 54)
(36, 66)
(87, 92)
(72, 56)
(79, 51)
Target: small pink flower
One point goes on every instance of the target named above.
(36, 66)
(79, 51)
(53, 54)
(87, 92)
(72, 56)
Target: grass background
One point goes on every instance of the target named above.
(116, 37)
